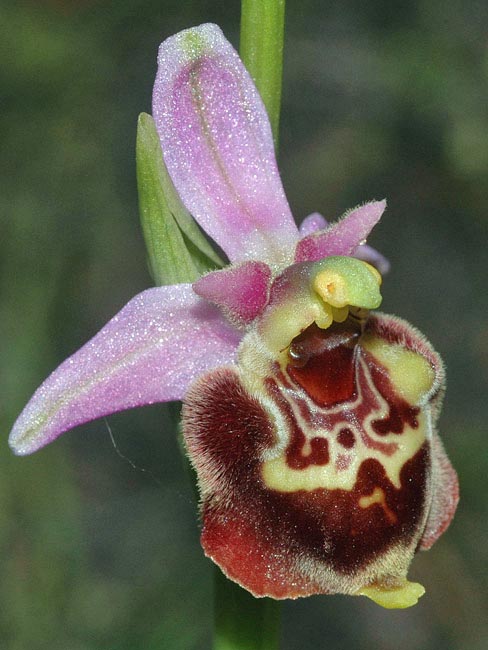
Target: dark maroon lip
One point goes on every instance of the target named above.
(265, 537)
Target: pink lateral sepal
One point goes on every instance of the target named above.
(445, 495)
(149, 352)
(241, 291)
(342, 237)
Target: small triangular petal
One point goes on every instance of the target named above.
(342, 237)
(315, 222)
(149, 352)
(218, 146)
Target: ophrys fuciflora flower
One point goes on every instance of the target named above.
(309, 419)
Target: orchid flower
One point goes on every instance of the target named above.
(309, 419)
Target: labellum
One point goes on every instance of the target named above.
(315, 455)
(309, 419)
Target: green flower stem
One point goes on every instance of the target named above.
(243, 622)
(261, 49)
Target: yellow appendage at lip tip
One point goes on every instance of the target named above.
(406, 595)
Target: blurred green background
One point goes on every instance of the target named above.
(380, 99)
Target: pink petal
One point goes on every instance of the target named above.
(342, 237)
(316, 221)
(372, 256)
(149, 352)
(242, 291)
(218, 146)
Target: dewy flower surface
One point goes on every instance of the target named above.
(310, 420)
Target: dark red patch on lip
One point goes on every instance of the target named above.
(262, 537)
(289, 544)
(400, 413)
(331, 526)
(224, 427)
(322, 362)
(346, 438)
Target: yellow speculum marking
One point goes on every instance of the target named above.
(411, 374)
(278, 475)
(339, 285)
(378, 497)
(412, 377)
